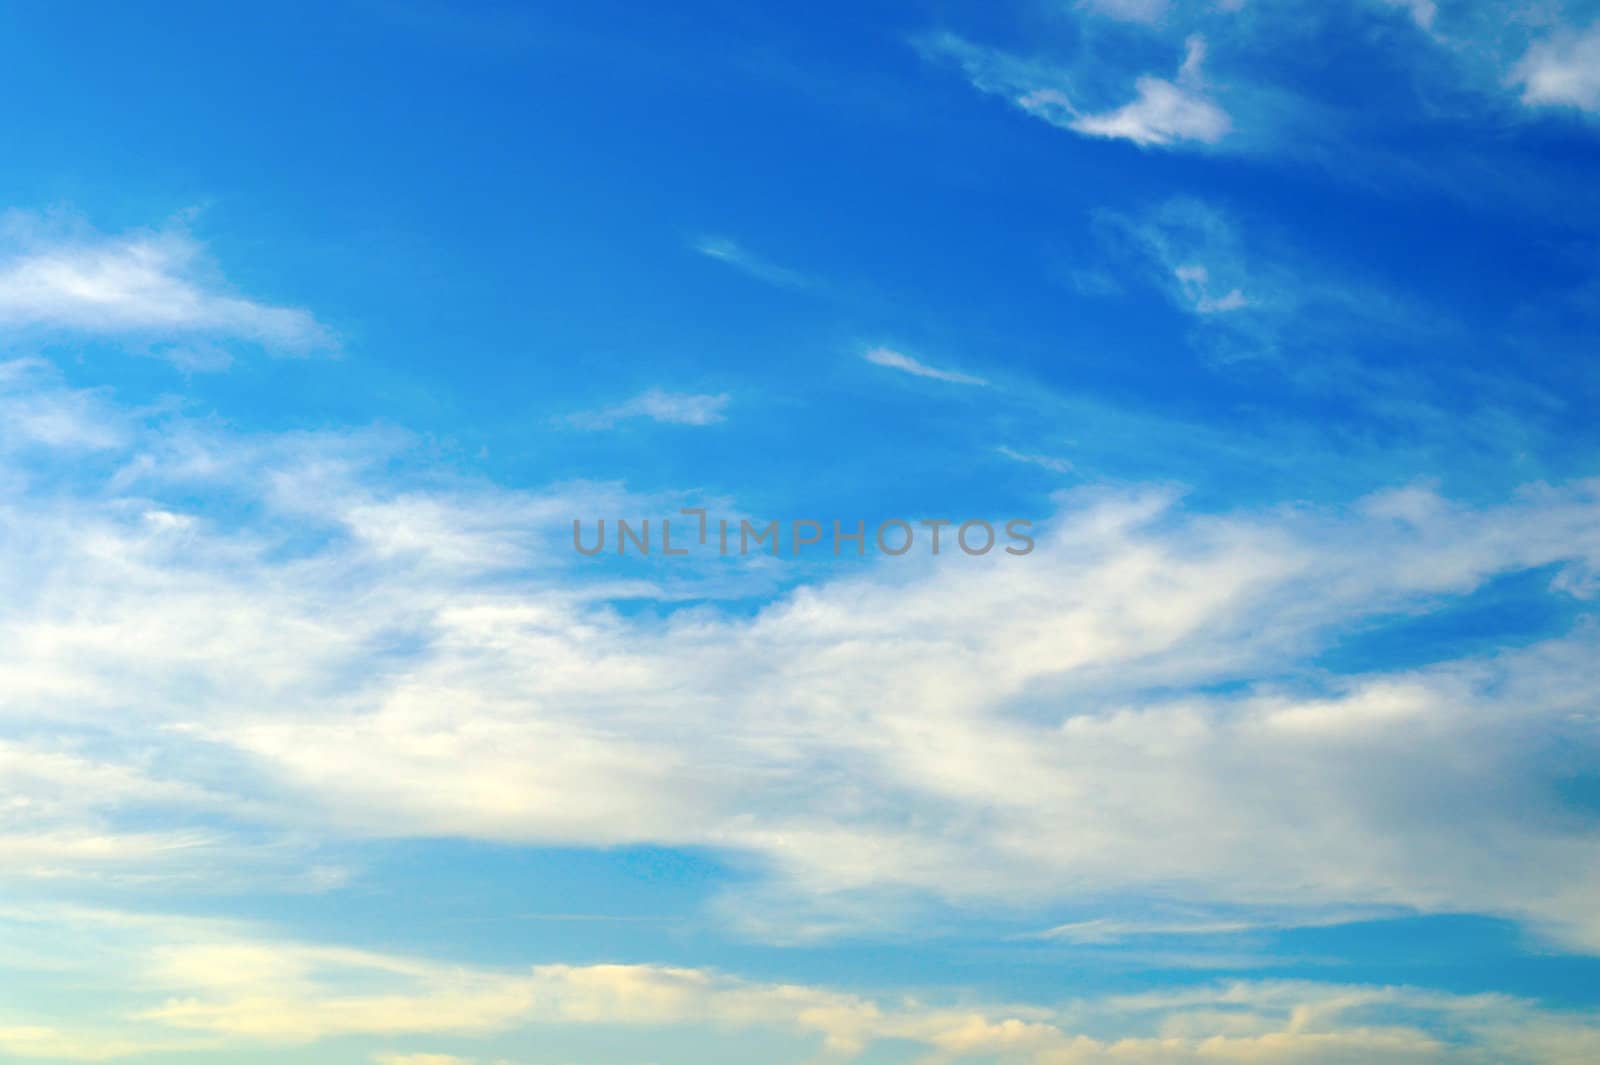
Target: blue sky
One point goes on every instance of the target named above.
(321, 324)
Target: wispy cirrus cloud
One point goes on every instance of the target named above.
(1163, 113)
(668, 408)
(1108, 930)
(1249, 296)
(895, 360)
(1053, 463)
(1102, 78)
(1197, 256)
(729, 251)
(1195, 281)
(149, 283)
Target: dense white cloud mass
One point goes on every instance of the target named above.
(381, 661)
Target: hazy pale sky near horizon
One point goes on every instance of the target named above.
(320, 324)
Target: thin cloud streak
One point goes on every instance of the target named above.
(725, 250)
(895, 360)
(667, 408)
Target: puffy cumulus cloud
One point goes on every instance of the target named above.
(339, 654)
(155, 284)
(217, 987)
(1562, 70)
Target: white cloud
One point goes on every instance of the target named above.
(894, 360)
(1563, 70)
(1145, 11)
(1048, 462)
(231, 987)
(1197, 255)
(1164, 112)
(1112, 930)
(46, 1042)
(146, 283)
(434, 1059)
(1422, 12)
(1253, 298)
(1102, 930)
(37, 410)
(668, 408)
(729, 251)
(989, 732)
(1195, 280)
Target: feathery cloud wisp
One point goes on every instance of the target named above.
(668, 408)
(147, 283)
(1144, 11)
(731, 252)
(1162, 113)
(894, 360)
(1046, 462)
